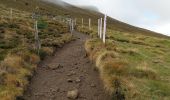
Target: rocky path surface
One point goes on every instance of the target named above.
(67, 74)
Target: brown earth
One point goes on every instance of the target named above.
(67, 70)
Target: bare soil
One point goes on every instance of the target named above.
(67, 70)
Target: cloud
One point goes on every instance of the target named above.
(149, 14)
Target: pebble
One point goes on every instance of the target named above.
(69, 80)
(93, 85)
(73, 94)
(78, 80)
(52, 67)
(71, 73)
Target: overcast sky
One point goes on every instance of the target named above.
(149, 14)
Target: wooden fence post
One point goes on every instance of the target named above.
(72, 25)
(89, 23)
(101, 28)
(37, 41)
(11, 12)
(104, 29)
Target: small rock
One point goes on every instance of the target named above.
(55, 67)
(76, 64)
(54, 89)
(52, 67)
(38, 94)
(71, 73)
(78, 80)
(69, 80)
(84, 71)
(60, 66)
(93, 85)
(73, 94)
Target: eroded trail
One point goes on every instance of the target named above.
(69, 69)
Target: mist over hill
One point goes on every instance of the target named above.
(92, 8)
(58, 7)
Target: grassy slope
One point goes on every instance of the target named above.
(18, 58)
(142, 61)
(74, 12)
(132, 66)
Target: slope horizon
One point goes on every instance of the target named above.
(60, 7)
(149, 20)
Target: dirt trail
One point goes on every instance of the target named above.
(69, 69)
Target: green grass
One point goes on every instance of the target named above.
(18, 57)
(145, 73)
(144, 60)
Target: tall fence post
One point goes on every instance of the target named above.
(11, 12)
(101, 28)
(104, 29)
(89, 23)
(37, 41)
(72, 25)
(82, 22)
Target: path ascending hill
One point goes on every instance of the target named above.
(68, 70)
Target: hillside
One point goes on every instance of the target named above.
(67, 10)
(133, 64)
(92, 8)
(19, 54)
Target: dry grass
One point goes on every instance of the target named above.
(18, 58)
(126, 72)
(105, 56)
(48, 50)
(143, 70)
(12, 63)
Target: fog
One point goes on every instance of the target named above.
(150, 14)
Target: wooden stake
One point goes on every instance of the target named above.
(89, 24)
(72, 25)
(104, 29)
(11, 11)
(101, 28)
(37, 41)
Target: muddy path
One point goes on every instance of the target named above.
(67, 70)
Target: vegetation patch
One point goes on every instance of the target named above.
(131, 65)
(18, 55)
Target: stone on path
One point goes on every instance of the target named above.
(71, 73)
(73, 94)
(54, 67)
(69, 80)
(78, 80)
(93, 85)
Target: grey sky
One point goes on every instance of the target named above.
(149, 14)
